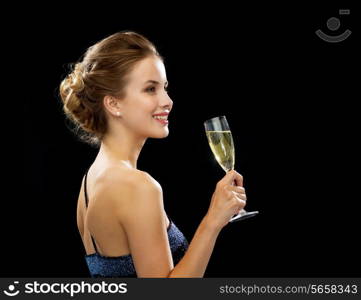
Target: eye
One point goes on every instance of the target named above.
(150, 89)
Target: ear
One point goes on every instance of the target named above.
(112, 105)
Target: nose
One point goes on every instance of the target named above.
(167, 102)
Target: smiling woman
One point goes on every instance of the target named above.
(94, 92)
(117, 97)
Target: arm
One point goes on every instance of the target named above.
(195, 260)
(227, 200)
(141, 213)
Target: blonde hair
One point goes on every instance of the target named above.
(103, 71)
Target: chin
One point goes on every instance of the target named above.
(161, 135)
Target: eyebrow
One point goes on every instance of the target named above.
(155, 82)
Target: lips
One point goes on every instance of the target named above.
(161, 114)
(160, 117)
(163, 122)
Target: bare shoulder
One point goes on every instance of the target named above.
(136, 203)
(120, 184)
(129, 177)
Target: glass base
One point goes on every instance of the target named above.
(243, 215)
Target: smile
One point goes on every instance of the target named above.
(160, 117)
(162, 120)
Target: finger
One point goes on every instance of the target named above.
(238, 179)
(243, 197)
(238, 189)
(240, 195)
(240, 202)
(233, 177)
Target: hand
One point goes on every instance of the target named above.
(227, 199)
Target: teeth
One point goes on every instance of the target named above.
(160, 117)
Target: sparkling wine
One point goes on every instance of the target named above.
(221, 143)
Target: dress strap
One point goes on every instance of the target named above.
(170, 222)
(86, 205)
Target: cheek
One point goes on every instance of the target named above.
(144, 113)
(149, 106)
(143, 107)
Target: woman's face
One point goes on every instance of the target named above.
(146, 96)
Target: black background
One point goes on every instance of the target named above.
(289, 97)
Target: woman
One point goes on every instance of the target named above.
(117, 97)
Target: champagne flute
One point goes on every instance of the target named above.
(221, 142)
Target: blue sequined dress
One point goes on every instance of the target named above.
(122, 266)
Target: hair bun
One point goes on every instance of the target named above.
(70, 89)
(76, 82)
(102, 71)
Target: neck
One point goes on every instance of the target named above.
(121, 148)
